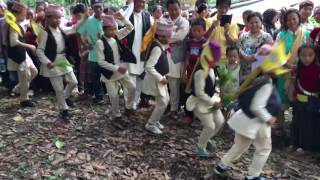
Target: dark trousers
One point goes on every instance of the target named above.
(95, 75)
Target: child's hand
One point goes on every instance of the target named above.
(122, 70)
(226, 28)
(164, 81)
(271, 121)
(215, 23)
(217, 105)
(32, 48)
(50, 65)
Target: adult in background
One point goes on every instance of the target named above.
(176, 53)
(249, 44)
(142, 21)
(270, 18)
(157, 12)
(91, 31)
(226, 35)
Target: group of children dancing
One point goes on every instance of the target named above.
(169, 55)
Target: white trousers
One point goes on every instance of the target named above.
(161, 106)
(138, 89)
(112, 89)
(241, 144)
(212, 123)
(25, 77)
(174, 87)
(62, 93)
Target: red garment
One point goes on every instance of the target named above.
(315, 35)
(194, 47)
(309, 78)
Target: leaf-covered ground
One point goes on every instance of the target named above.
(35, 144)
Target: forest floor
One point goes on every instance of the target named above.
(35, 144)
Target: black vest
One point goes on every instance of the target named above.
(146, 24)
(162, 65)
(209, 86)
(17, 53)
(125, 53)
(273, 103)
(51, 46)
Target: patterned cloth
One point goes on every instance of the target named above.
(249, 45)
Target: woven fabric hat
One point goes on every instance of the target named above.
(164, 27)
(109, 21)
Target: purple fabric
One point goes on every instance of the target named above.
(215, 50)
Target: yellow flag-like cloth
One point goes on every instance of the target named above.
(10, 19)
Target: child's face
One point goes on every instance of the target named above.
(306, 12)
(40, 12)
(197, 31)
(21, 16)
(174, 10)
(293, 21)
(54, 21)
(233, 57)
(157, 13)
(307, 56)
(110, 31)
(164, 39)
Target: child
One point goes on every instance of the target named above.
(110, 56)
(306, 110)
(230, 82)
(18, 59)
(155, 81)
(259, 103)
(53, 50)
(203, 102)
(194, 49)
(305, 10)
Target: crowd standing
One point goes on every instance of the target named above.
(190, 66)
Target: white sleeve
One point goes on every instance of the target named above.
(200, 84)
(181, 32)
(13, 38)
(152, 61)
(101, 58)
(122, 33)
(41, 47)
(259, 102)
(75, 28)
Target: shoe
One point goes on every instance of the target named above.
(159, 125)
(202, 152)
(98, 100)
(65, 115)
(254, 178)
(212, 145)
(27, 103)
(70, 103)
(223, 170)
(154, 129)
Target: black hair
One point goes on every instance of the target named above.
(306, 3)
(254, 14)
(268, 16)
(202, 7)
(220, 2)
(247, 12)
(232, 48)
(155, 7)
(198, 2)
(199, 22)
(285, 17)
(173, 2)
(316, 60)
(79, 8)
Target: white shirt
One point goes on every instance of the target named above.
(137, 68)
(178, 35)
(115, 50)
